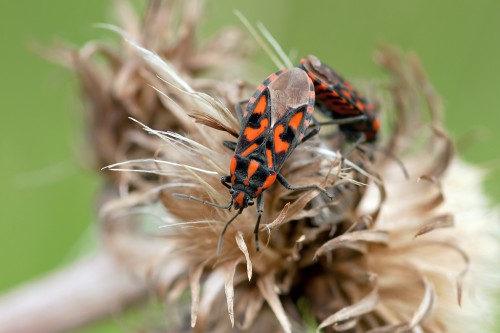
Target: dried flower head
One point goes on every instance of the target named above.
(389, 254)
(116, 82)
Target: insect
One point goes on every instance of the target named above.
(338, 99)
(275, 121)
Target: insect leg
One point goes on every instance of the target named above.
(229, 144)
(360, 140)
(225, 181)
(345, 121)
(239, 109)
(260, 210)
(316, 127)
(283, 182)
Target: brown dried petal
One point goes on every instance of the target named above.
(252, 305)
(194, 283)
(425, 307)
(278, 220)
(342, 319)
(436, 222)
(352, 239)
(230, 269)
(240, 241)
(267, 286)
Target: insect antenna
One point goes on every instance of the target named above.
(188, 197)
(221, 237)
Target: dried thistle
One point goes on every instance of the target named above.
(382, 260)
(390, 254)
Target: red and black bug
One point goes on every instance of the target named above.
(339, 100)
(274, 122)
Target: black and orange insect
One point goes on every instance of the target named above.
(339, 100)
(275, 121)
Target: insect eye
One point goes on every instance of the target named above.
(231, 191)
(250, 202)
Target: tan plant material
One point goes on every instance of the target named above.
(386, 258)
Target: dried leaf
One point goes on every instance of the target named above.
(213, 289)
(211, 121)
(243, 247)
(229, 288)
(444, 156)
(298, 205)
(252, 308)
(266, 286)
(436, 222)
(460, 276)
(194, 283)
(352, 239)
(351, 313)
(277, 221)
(425, 307)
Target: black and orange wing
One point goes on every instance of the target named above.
(340, 97)
(292, 104)
(256, 118)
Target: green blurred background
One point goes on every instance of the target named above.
(46, 197)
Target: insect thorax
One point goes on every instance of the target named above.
(251, 175)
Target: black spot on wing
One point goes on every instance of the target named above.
(288, 135)
(254, 121)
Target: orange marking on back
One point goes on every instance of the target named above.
(252, 133)
(347, 93)
(252, 168)
(280, 146)
(232, 166)
(267, 183)
(376, 125)
(232, 169)
(269, 155)
(239, 199)
(360, 105)
(261, 105)
(296, 120)
(322, 87)
(249, 150)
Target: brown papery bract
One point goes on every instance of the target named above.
(384, 256)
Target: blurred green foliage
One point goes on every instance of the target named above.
(46, 196)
